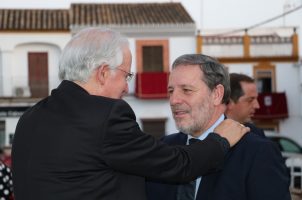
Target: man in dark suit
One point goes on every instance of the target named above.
(82, 142)
(253, 169)
(243, 101)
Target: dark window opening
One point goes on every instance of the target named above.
(153, 59)
(2, 134)
(38, 74)
(264, 85)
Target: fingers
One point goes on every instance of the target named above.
(245, 128)
(232, 130)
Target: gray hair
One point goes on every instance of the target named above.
(214, 73)
(89, 49)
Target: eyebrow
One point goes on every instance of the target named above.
(183, 86)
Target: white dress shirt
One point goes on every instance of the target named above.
(202, 137)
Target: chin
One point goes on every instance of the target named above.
(184, 129)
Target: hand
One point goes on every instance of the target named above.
(231, 130)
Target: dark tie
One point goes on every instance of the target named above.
(187, 191)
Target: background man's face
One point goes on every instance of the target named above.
(247, 104)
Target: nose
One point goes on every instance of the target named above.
(174, 98)
(256, 104)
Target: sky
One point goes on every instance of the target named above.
(207, 14)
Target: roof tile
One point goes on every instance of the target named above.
(93, 14)
(34, 19)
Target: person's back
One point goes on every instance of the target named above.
(64, 148)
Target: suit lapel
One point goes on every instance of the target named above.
(207, 186)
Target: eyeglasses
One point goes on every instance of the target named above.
(129, 74)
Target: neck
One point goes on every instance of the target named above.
(218, 111)
(89, 86)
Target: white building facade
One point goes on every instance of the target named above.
(154, 45)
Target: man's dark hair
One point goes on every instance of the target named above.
(236, 89)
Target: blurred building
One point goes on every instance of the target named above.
(271, 57)
(31, 41)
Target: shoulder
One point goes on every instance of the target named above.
(120, 107)
(176, 138)
(254, 129)
(252, 139)
(256, 144)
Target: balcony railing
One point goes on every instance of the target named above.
(150, 85)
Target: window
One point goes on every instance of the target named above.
(2, 134)
(154, 127)
(152, 56)
(264, 74)
(38, 74)
(153, 59)
(289, 146)
(265, 77)
(152, 68)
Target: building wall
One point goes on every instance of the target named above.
(20, 64)
(158, 108)
(13, 63)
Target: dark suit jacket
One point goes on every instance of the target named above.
(73, 145)
(253, 170)
(254, 129)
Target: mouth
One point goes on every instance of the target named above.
(179, 113)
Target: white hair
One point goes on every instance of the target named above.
(89, 49)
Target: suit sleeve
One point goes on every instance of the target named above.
(269, 177)
(127, 149)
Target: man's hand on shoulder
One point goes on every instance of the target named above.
(232, 130)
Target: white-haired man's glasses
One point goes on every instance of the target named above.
(129, 75)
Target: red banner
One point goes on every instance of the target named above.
(150, 85)
(272, 106)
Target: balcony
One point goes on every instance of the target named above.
(272, 106)
(151, 85)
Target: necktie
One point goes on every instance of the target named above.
(187, 191)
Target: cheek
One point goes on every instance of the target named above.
(116, 88)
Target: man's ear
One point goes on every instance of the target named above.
(102, 73)
(218, 93)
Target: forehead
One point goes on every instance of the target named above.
(186, 75)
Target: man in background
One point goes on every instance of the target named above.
(243, 101)
(199, 90)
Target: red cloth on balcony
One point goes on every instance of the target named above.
(151, 85)
(272, 106)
